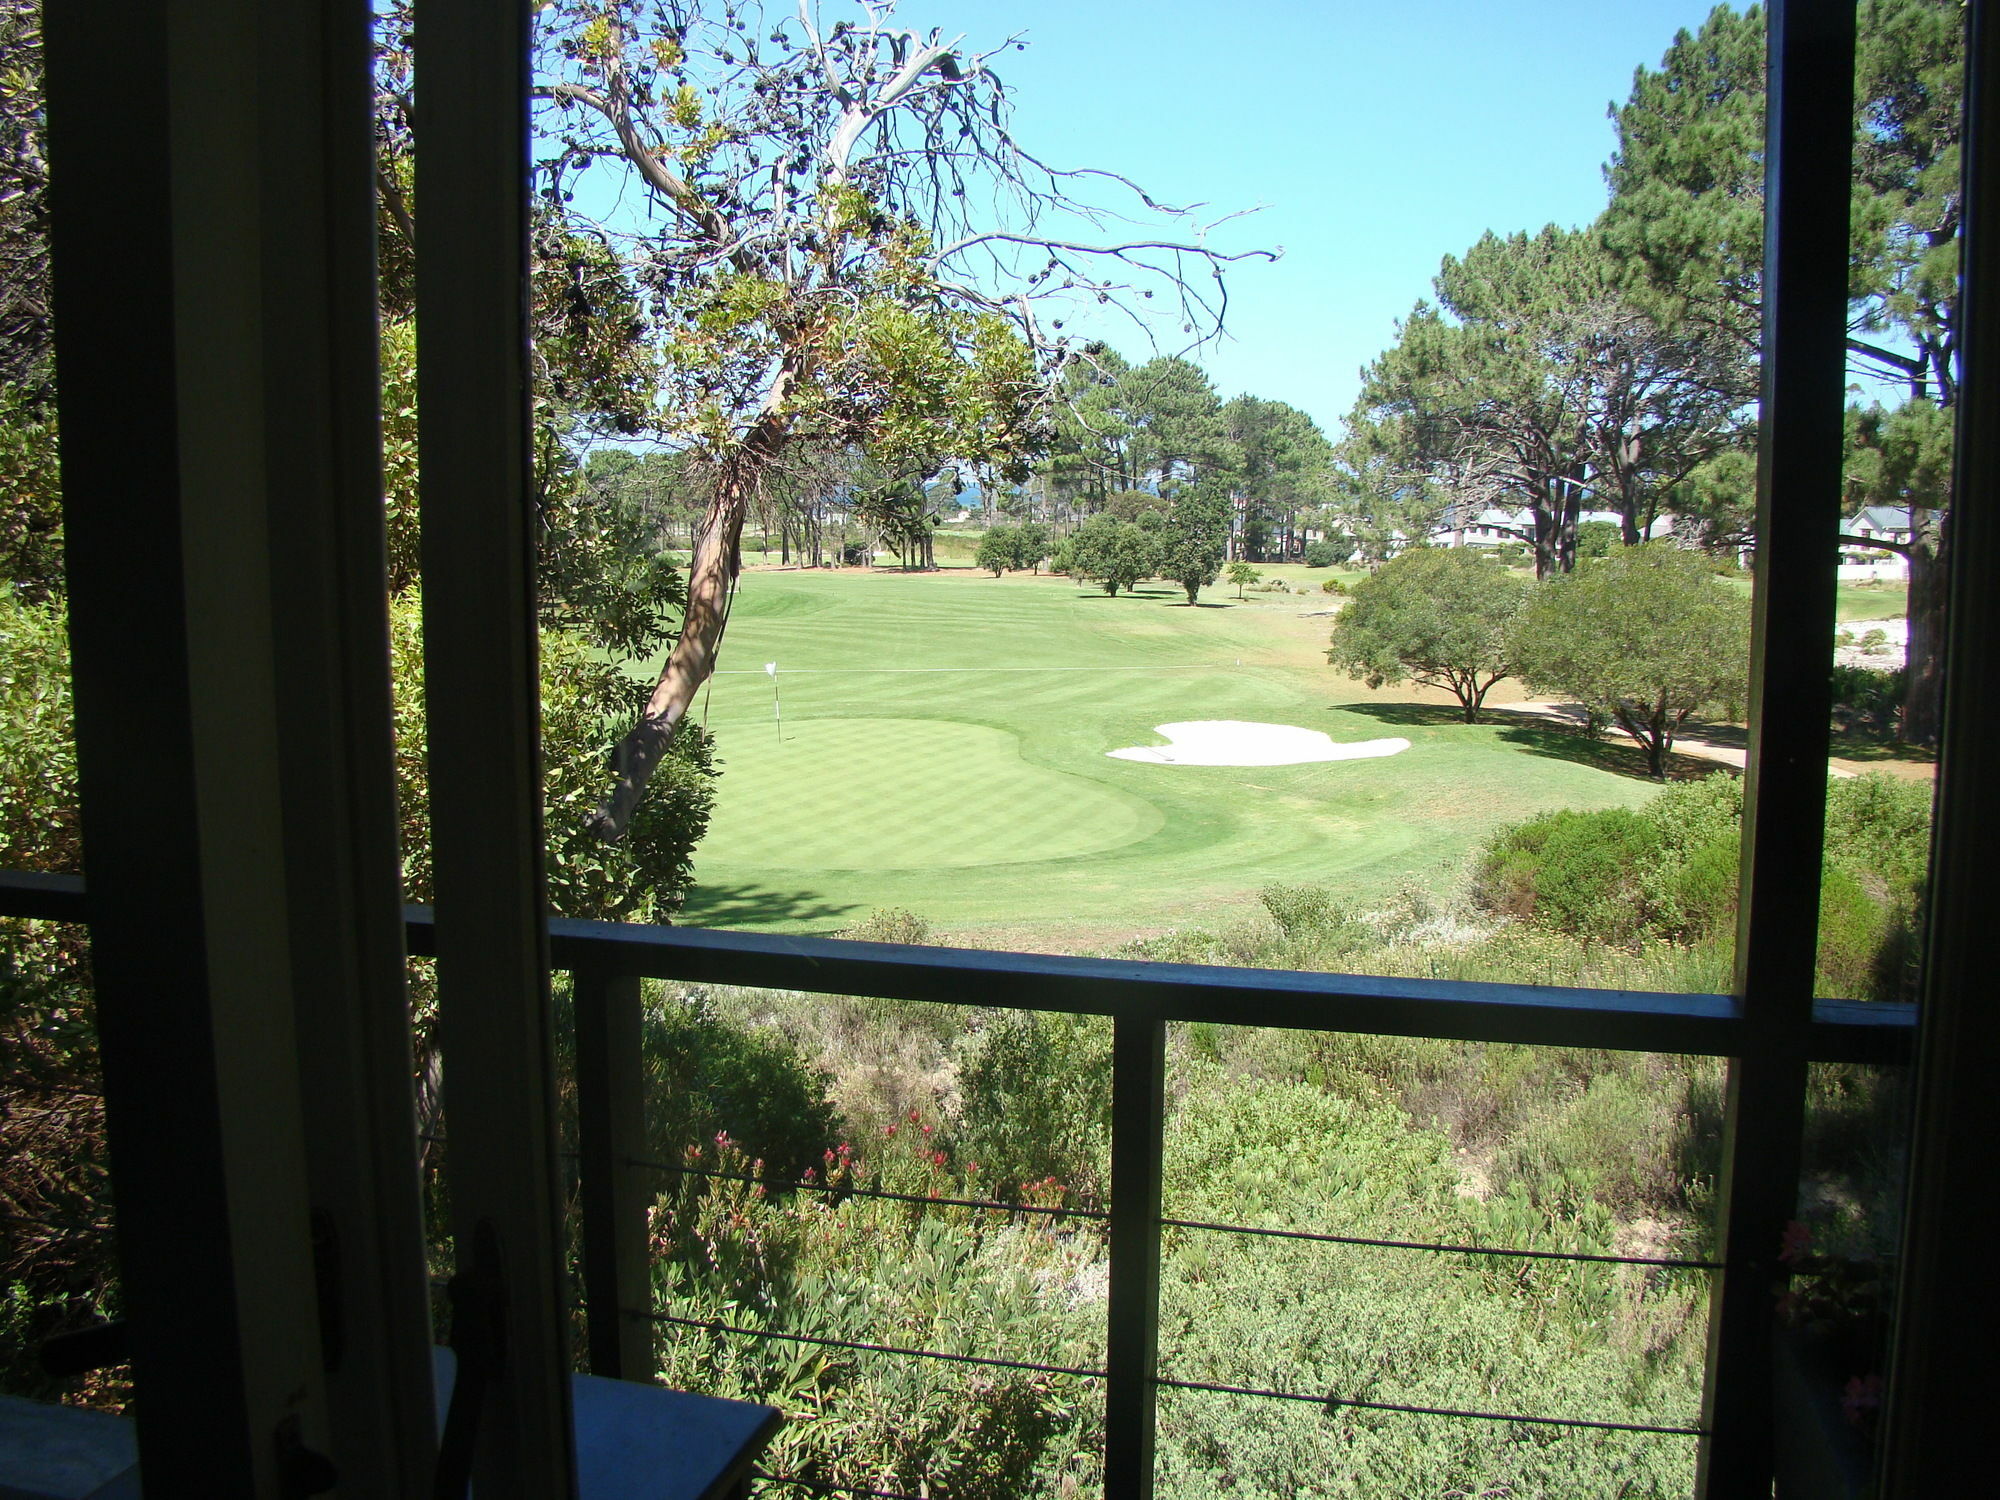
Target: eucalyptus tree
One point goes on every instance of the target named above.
(1687, 205)
(845, 246)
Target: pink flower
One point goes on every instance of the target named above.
(888, 1130)
(937, 1158)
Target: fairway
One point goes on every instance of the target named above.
(945, 742)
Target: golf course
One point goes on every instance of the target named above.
(941, 742)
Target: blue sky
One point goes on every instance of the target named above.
(1380, 137)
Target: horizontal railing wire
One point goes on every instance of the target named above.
(828, 1487)
(1493, 1250)
(712, 1325)
(1333, 1403)
(845, 1190)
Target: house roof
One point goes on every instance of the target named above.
(1882, 518)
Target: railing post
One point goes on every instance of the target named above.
(611, 1131)
(1138, 1132)
(1809, 138)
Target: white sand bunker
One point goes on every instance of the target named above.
(1232, 742)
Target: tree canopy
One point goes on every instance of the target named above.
(1440, 616)
(1687, 212)
(1113, 553)
(1645, 637)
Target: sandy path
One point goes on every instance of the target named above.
(1726, 755)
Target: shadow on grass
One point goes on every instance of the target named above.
(1861, 747)
(1619, 756)
(1553, 740)
(727, 903)
(1407, 713)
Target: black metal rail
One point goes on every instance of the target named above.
(1461, 1010)
(606, 960)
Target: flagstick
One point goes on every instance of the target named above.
(771, 669)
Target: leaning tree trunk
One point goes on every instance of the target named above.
(712, 573)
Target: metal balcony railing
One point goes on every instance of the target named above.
(606, 962)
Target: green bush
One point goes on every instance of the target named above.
(1575, 872)
(1668, 873)
(1321, 555)
(1867, 698)
(1335, 587)
(708, 1079)
(890, 924)
(1036, 1113)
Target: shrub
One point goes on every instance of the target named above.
(1575, 872)
(1335, 587)
(890, 924)
(707, 1078)
(1321, 555)
(1853, 930)
(1036, 1092)
(1866, 698)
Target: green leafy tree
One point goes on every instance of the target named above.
(1115, 554)
(1193, 540)
(1129, 505)
(1645, 637)
(1243, 575)
(1440, 616)
(1597, 538)
(1031, 545)
(999, 549)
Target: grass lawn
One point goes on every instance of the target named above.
(943, 749)
(1859, 600)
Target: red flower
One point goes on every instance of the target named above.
(937, 1159)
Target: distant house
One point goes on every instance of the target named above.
(1886, 524)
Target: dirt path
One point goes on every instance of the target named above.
(1726, 755)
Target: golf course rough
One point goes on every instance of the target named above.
(943, 748)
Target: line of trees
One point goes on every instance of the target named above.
(1161, 428)
(1614, 367)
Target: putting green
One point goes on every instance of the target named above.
(927, 823)
(944, 751)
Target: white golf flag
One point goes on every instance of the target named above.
(771, 667)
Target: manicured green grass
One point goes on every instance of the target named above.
(943, 749)
(1858, 600)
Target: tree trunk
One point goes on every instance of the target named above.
(712, 571)
(1923, 670)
